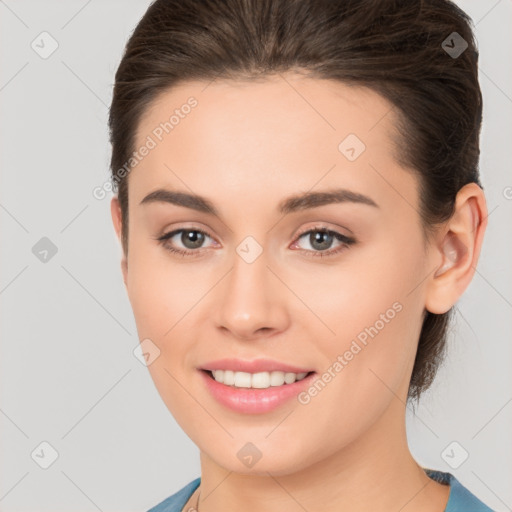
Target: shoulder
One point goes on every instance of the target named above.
(177, 501)
(461, 499)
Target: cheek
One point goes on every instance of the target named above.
(365, 286)
(162, 295)
(374, 309)
(161, 291)
(366, 366)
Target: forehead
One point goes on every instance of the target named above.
(289, 104)
(283, 130)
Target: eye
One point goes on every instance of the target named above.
(321, 240)
(191, 238)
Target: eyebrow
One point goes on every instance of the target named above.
(289, 205)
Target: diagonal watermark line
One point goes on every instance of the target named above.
(467, 323)
(111, 388)
(293, 410)
(211, 82)
(4, 4)
(14, 218)
(220, 220)
(286, 491)
(84, 83)
(192, 307)
(215, 488)
(405, 199)
(508, 507)
(75, 15)
(334, 334)
(14, 76)
(307, 101)
(416, 494)
(14, 485)
(198, 403)
(488, 12)
(503, 407)
(74, 218)
(381, 118)
(81, 491)
(405, 403)
(421, 281)
(495, 84)
(96, 300)
(13, 279)
(487, 216)
(502, 296)
(317, 182)
(3, 412)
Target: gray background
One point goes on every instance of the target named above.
(68, 375)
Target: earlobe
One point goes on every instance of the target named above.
(457, 254)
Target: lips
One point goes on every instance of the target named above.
(258, 398)
(254, 366)
(251, 400)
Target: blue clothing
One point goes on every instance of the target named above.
(460, 499)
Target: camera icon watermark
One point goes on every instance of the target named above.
(454, 45)
(351, 147)
(249, 249)
(44, 250)
(44, 45)
(44, 455)
(146, 352)
(454, 455)
(249, 454)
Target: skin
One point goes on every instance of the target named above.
(246, 147)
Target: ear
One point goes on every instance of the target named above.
(115, 210)
(457, 249)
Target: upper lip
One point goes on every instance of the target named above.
(254, 366)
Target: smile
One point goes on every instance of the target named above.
(260, 380)
(254, 393)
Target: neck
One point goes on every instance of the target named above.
(376, 472)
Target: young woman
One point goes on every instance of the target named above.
(299, 207)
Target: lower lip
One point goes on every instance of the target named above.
(253, 400)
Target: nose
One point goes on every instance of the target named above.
(252, 301)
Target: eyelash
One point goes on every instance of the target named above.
(346, 242)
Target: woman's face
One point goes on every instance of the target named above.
(347, 304)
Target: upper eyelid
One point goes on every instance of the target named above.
(173, 232)
(321, 228)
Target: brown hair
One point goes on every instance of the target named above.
(394, 47)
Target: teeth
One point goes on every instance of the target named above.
(259, 380)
